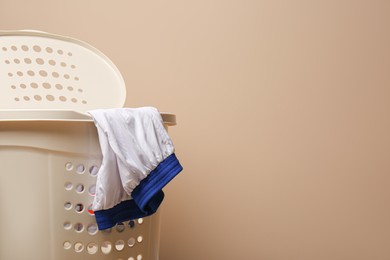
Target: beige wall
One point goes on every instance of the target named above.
(283, 111)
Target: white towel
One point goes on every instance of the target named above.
(133, 143)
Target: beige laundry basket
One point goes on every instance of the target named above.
(50, 154)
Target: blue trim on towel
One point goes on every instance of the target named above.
(147, 196)
(126, 210)
(155, 181)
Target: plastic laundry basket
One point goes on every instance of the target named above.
(50, 154)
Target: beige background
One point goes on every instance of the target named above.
(283, 111)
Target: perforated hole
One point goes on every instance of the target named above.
(93, 170)
(84, 102)
(70, 54)
(78, 247)
(92, 229)
(49, 50)
(17, 61)
(78, 227)
(26, 98)
(27, 60)
(139, 239)
(19, 73)
(13, 87)
(30, 73)
(79, 207)
(16, 99)
(70, 88)
(74, 100)
(60, 52)
(43, 73)
(34, 85)
(140, 221)
(23, 86)
(119, 245)
(63, 64)
(24, 47)
(62, 98)
(67, 245)
(80, 90)
(131, 242)
(80, 169)
(139, 257)
(40, 61)
(131, 258)
(10, 74)
(66, 76)
(69, 166)
(37, 97)
(55, 74)
(7, 62)
(52, 62)
(106, 247)
(73, 66)
(46, 85)
(131, 223)
(92, 190)
(37, 48)
(67, 226)
(59, 86)
(14, 48)
(50, 97)
(76, 78)
(120, 227)
(92, 248)
(79, 188)
(4, 49)
(68, 205)
(68, 186)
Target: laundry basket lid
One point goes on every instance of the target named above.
(39, 70)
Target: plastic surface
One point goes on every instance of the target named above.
(45, 71)
(60, 115)
(50, 153)
(47, 178)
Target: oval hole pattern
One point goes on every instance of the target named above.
(59, 58)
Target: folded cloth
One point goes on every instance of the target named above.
(138, 161)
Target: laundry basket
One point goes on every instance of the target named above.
(50, 154)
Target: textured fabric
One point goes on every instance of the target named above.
(125, 211)
(147, 196)
(133, 143)
(144, 193)
(138, 161)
